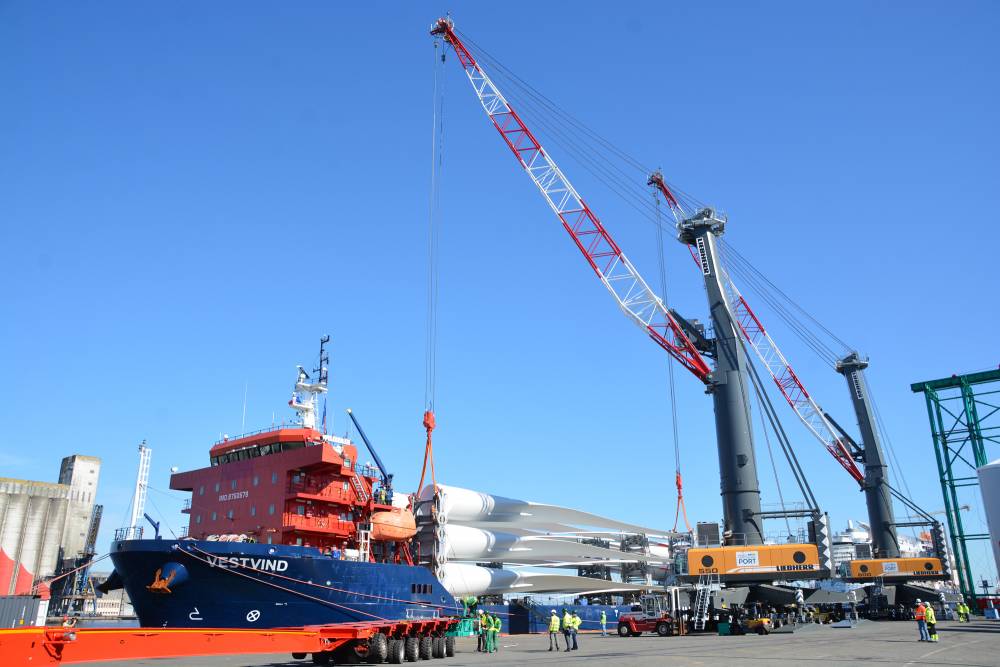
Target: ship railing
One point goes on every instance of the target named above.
(131, 533)
(266, 429)
(183, 532)
(319, 489)
(328, 523)
(186, 505)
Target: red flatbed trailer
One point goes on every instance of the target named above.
(63, 646)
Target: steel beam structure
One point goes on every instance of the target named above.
(964, 414)
(742, 517)
(881, 519)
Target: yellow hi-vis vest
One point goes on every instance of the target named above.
(554, 623)
(567, 621)
(929, 614)
(577, 622)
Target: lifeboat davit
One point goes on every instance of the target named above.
(393, 526)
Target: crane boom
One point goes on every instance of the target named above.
(770, 355)
(614, 269)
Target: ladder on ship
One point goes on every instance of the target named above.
(359, 489)
(707, 584)
(364, 543)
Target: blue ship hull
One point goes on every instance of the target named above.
(247, 585)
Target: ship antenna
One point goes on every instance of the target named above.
(324, 360)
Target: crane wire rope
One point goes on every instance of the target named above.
(774, 466)
(589, 148)
(681, 507)
(779, 431)
(433, 273)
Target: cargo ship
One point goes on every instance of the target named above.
(285, 529)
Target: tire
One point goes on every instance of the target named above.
(449, 647)
(411, 649)
(395, 652)
(426, 648)
(663, 629)
(321, 658)
(299, 656)
(623, 630)
(437, 647)
(378, 648)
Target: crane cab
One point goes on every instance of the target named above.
(762, 562)
(894, 569)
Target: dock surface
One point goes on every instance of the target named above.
(880, 643)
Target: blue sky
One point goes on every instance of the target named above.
(191, 195)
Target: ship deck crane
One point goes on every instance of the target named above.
(386, 475)
(741, 495)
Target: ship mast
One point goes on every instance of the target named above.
(306, 390)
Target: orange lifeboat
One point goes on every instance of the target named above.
(393, 526)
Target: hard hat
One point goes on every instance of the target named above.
(918, 601)
(553, 611)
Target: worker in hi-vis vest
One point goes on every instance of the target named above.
(604, 623)
(567, 628)
(553, 631)
(497, 624)
(931, 619)
(577, 622)
(481, 631)
(920, 616)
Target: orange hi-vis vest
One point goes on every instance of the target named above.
(919, 614)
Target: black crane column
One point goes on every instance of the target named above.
(737, 464)
(880, 514)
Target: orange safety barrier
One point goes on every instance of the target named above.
(61, 646)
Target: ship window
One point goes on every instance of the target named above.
(347, 462)
(224, 458)
(256, 480)
(229, 514)
(345, 485)
(270, 510)
(197, 518)
(298, 541)
(274, 478)
(215, 460)
(300, 510)
(269, 539)
(201, 490)
(293, 445)
(232, 485)
(214, 516)
(253, 510)
(216, 487)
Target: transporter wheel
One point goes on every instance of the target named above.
(623, 630)
(762, 630)
(299, 656)
(426, 647)
(395, 651)
(411, 649)
(449, 646)
(437, 647)
(663, 629)
(378, 648)
(321, 658)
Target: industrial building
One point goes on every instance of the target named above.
(44, 522)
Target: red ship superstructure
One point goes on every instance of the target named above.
(295, 485)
